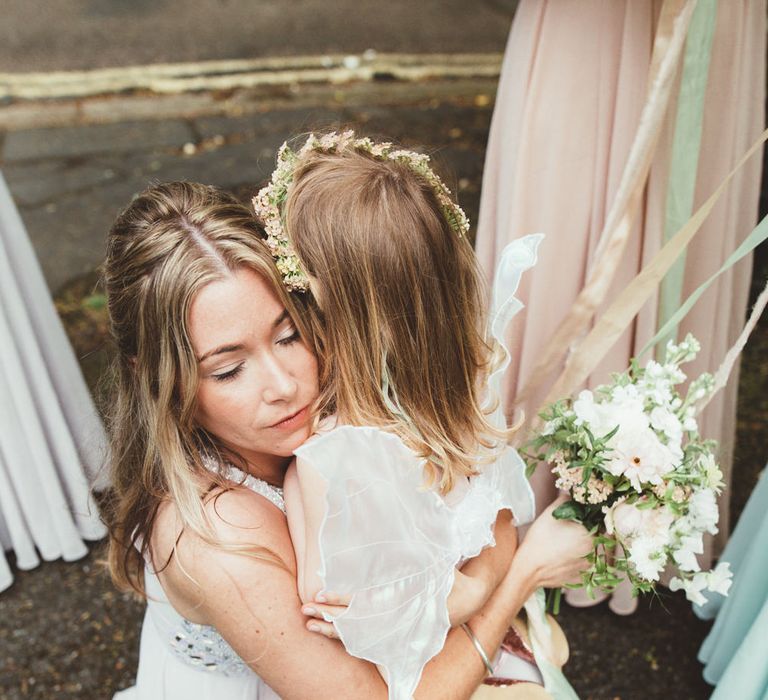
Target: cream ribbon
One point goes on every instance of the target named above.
(724, 371)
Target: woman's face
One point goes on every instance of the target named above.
(258, 379)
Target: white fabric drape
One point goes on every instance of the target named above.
(51, 438)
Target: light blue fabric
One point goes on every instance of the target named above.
(735, 654)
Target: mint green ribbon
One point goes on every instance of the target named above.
(686, 147)
(754, 239)
(539, 633)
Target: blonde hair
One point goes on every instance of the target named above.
(171, 241)
(399, 323)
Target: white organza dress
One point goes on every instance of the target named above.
(393, 545)
(51, 438)
(183, 660)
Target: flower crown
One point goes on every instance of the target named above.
(269, 201)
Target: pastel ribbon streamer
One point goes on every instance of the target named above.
(540, 635)
(686, 146)
(758, 235)
(624, 308)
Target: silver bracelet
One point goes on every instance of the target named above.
(479, 647)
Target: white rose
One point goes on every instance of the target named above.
(657, 524)
(623, 519)
(629, 521)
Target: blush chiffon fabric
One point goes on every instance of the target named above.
(572, 88)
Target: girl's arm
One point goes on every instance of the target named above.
(305, 493)
(480, 576)
(305, 507)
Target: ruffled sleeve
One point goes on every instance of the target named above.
(389, 543)
(503, 482)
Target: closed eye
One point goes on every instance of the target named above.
(291, 339)
(231, 374)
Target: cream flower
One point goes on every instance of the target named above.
(685, 553)
(629, 522)
(640, 457)
(712, 472)
(647, 558)
(693, 587)
(721, 578)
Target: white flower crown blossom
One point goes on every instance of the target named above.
(269, 201)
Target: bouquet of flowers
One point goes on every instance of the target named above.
(639, 476)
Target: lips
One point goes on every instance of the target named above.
(292, 421)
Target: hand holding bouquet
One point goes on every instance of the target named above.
(638, 475)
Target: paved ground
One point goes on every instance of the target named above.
(70, 182)
(81, 34)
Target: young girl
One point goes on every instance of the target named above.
(407, 477)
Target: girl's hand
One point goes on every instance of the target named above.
(467, 597)
(325, 605)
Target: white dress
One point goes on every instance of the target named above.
(393, 545)
(51, 439)
(183, 660)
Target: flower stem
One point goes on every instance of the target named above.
(553, 600)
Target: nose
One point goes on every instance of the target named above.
(279, 384)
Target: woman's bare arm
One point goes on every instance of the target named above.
(254, 604)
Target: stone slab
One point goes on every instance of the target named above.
(95, 139)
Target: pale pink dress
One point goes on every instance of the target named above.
(572, 87)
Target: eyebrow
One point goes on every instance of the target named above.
(234, 347)
(221, 350)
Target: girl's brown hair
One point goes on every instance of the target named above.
(399, 322)
(171, 241)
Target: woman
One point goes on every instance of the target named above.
(212, 372)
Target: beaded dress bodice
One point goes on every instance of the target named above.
(199, 645)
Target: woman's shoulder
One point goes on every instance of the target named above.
(244, 536)
(232, 521)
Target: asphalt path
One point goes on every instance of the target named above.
(40, 36)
